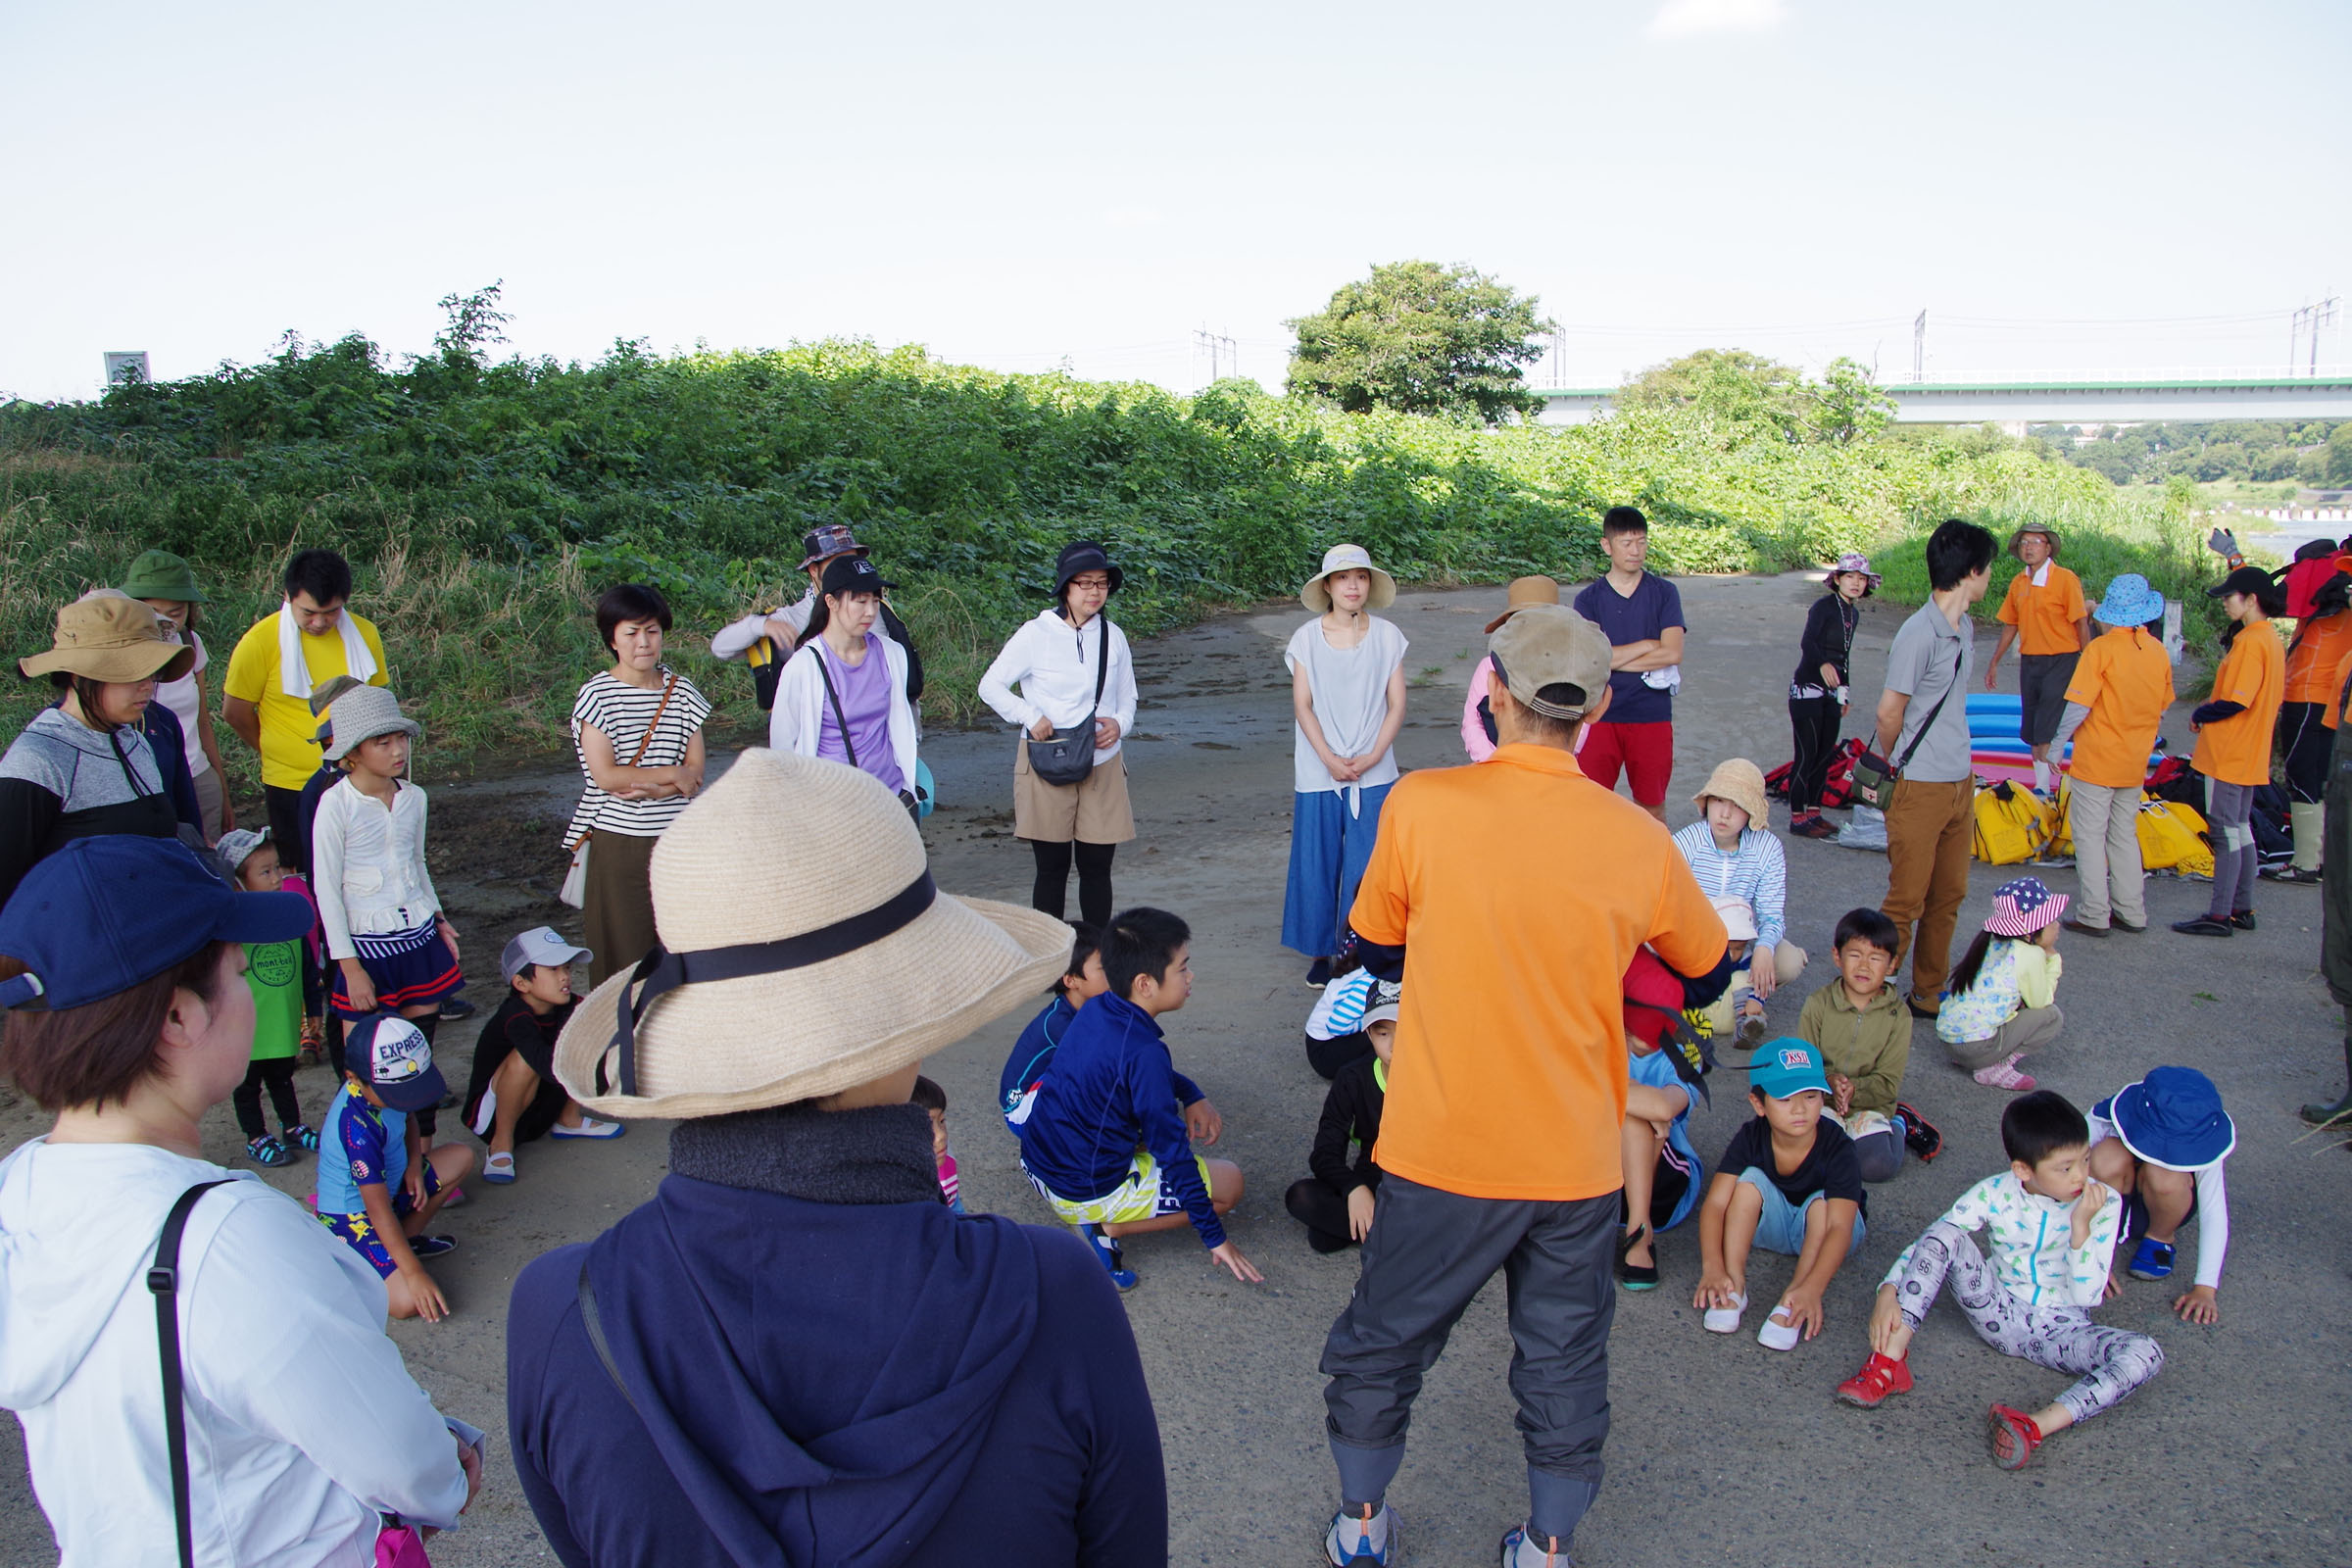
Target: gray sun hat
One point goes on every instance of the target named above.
(361, 714)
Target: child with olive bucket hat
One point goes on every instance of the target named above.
(84, 768)
(795, 1351)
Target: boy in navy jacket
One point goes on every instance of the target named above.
(1108, 1141)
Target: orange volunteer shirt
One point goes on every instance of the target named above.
(2126, 680)
(2336, 684)
(2237, 749)
(2321, 645)
(1520, 891)
(2047, 618)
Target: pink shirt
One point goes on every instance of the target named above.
(1474, 727)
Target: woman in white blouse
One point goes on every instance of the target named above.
(1073, 668)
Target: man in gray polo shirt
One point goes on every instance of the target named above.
(1922, 731)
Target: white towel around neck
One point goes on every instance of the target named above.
(294, 671)
(2041, 575)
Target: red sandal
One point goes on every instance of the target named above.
(2014, 1437)
(1880, 1376)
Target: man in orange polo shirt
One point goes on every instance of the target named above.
(2114, 706)
(2044, 615)
(1511, 897)
(2322, 639)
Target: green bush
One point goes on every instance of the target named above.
(483, 505)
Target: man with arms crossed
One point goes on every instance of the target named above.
(1510, 897)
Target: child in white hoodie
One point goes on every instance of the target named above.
(2053, 1236)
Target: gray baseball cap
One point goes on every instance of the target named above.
(539, 945)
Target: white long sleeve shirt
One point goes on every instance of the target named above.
(368, 865)
(2032, 1253)
(302, 1423)
(735, 639)
(801, 707)
(2213, 1209)
(1054, 668)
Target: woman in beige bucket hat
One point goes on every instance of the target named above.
(86, 765)
(1733, 852)
(795, 1342)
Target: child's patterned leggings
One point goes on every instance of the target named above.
(2111, 1363)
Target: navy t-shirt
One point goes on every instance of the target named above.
(1639, 616)
(1830, 1169)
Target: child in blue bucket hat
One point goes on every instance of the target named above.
(2162, 1143)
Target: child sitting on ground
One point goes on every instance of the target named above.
(1786, 1183)
(1740, 1007)
(1334, 1028)
(1108, 1141)
(1662, 1169)
(1080, 983)
(274, 973)
(378, 1185)
(2053, 1230)
(1859, 1024)
(1335, 1203)
(2002, 998)
(934, 1099)
(512, 1096)
(2161, 1142)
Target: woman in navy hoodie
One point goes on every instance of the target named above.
(794, 1353)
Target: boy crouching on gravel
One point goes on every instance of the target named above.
(1108, 1141)
(2053, 1236)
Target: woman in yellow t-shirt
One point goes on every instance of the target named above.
(2234, 745)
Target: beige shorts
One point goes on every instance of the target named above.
(1094, 811)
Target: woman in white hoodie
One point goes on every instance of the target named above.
(1073, 668)
(302, 1428)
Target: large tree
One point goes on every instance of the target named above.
(1421, 339)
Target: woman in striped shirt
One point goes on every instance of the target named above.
(638, 729)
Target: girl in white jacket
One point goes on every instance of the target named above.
(843, 694)
(302, 1428)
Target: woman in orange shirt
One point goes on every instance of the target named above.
(2323, 638)
(2234, 745)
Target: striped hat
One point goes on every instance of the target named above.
(2024, 906)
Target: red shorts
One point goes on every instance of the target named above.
(1644, 753)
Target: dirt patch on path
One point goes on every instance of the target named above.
(1699, 1467)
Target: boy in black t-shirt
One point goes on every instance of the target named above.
(1787, 1182)
(512, 1096)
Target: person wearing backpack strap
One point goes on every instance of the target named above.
(765, 638)
(843, 695)
(222, 1386)
(1924, 732)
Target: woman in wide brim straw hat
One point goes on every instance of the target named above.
(1732, 850)
(1478, 715)
(1072, 666)
(88, 766)
(803, 1353)
(143, 1025)
(166, 584)
(1346, 669)
(1818, 692)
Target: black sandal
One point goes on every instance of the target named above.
(1636, 1276)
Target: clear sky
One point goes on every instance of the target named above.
(1021, 182)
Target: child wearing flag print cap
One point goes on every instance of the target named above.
(378, 1185)
(2002, 998)
(2161, 1142)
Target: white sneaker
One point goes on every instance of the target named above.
(1776, 1335)
(1725, 1319)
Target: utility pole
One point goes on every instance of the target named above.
(1918, 349)
(1220, 349)
(2315, 316)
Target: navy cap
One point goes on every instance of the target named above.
(853, 574)
(102, 914)
(391, 1056)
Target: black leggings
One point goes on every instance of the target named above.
(2307, 740)
(1051, 894)
(1323, 1211)
(1815, 720)
(277, 1075)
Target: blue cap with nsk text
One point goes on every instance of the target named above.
(106, 914)
(1785, 1067)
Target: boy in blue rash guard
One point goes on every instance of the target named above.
(1108, 1139)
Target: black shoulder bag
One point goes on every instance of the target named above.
(1874, 777)
(164, 1280)
(1067, 755)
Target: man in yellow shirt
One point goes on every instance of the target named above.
(2045, 615)
(278, 663)
(1511, 897)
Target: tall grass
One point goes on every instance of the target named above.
(483, 506)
